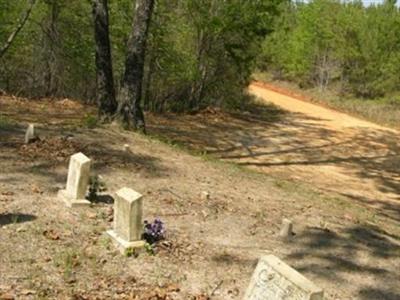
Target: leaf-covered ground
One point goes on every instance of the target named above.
(212, 246)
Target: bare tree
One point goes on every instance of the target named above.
(130, 111)
(20, 25)
(105, 80)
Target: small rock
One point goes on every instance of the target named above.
(127, 148)
(21, 229)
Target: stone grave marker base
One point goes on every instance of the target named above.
(70, 202)
(123, 245)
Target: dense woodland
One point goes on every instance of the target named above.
(185, 55)
(198, 52)
(344, 46)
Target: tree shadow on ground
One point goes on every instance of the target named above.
(348, 256)
(104, 198)
(230, 259)
(48, 159)
(283, 139)
(15, 218)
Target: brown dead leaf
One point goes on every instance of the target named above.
(173, 288)
(8, 193)
(7, 296)
(200, 297)
(51, 235)
(27, 292)
(36, 190)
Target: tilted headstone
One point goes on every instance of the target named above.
(30, 135)
(128, 225)
(78, 181)
(275, 280)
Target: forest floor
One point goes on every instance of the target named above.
(338, 184)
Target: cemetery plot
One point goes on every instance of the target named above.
(217, 221)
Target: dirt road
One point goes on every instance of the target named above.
(299, 140)
(336, 151)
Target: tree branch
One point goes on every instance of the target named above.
(21, 24)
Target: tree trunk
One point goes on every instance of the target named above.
(51, 49)
(130, 112)
(104, 75)
(21, 24)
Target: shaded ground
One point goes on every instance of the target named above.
(350, 249)
(301, 141)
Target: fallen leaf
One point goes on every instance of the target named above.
(51, 234)
(28, 292)
(7, 296)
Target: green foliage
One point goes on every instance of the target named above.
(331, 43)
(200, 52)
(90, 121)
(149, 249)
(131, 252)
(5, 122)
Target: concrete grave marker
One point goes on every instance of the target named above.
(205, 195)
(30, 135)
(275, 280)
(77, 182)
(286, 229)
(128, 225)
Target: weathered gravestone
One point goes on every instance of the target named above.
(30, 135)
(128, 226)
(275, 280)
(77, 182)
(286, 229)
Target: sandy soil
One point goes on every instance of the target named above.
(344, 243)
(358, 158)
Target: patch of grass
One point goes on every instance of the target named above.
(6, 122)
(67, 261)
(90, 121)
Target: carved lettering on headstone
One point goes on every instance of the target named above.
(274, 280)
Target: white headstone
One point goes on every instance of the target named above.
(30, 135)
(275, 280)
(286, 229)
(128, 225)
(78, 181)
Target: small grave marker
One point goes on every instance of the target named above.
(128, 225)
(30, 135)
(205, 195)
(127, 148)
(275, 280)
(77, 182)
(286, 229)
